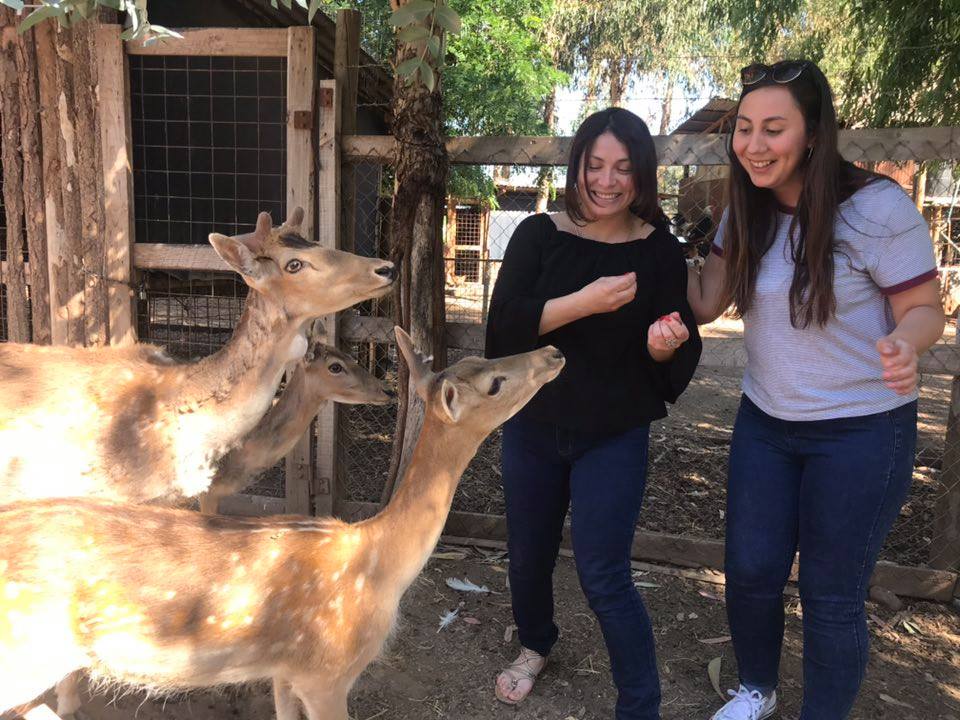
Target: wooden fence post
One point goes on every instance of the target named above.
(945, 545)
(328, 222)
(301, 101)
(346, 71)
(114, 94)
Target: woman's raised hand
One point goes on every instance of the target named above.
(667, 334)
(606, 294)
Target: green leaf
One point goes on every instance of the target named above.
(113, 4)
(38, 15)
(447, 19)
(427, 76)
(314, 7)
(411, 12)
(15, 4)
(433, 47)
(407, 68)
(413, 33)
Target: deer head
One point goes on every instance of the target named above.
(476, 393)
(333, 375)
(300, 275)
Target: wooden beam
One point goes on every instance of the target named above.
(301, 180)
(939, 143)
(252, 505)
(924, 583)
(161, 256)
(242, 42)
(346, 72)
(113, 85)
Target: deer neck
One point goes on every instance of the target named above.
(239, 380)
(411, 524)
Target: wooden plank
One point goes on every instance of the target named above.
(34, 212)
(923, 583)
(939, 143)
(86, 119)
(160, 256)
(328, 230)
(11, 159)
(346, 71)
(118, 182)
(301, 98)
(239, 42)
(58, 274)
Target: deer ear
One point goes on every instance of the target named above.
(295, 218)
(420, 371)
(450, 400)
(237, 255)
(316, 331)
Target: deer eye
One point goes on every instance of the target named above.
(495, 385)
(335, 368)
(294, 266)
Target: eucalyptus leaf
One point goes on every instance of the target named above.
(427, 76)
(413, 33)
(407, 68)
(447, 19)
(38, 15)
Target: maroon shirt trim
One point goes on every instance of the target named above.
(911, 283)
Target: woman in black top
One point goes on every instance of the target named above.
(605, 282)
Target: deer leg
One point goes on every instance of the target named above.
(68, 694)
(323, 702)
(284, 701)
(209, 502)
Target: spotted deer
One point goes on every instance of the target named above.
(325, 374)
(129, 423)
(168, 600)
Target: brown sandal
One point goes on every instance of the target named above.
(516, 672)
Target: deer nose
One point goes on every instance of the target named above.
(388, 271)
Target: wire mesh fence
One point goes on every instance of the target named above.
(688, 450)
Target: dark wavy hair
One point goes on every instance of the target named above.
(752, 212)
(633, 133)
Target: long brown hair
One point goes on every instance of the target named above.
(752, 213)
(633, 133)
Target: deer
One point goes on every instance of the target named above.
(325, 374)
(169, 600)
(129, 423)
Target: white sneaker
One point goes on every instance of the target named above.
(747, 705)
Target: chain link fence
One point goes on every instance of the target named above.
(688, 450)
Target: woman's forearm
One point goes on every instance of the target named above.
(921, 326)
(703, 291)
(561, 311)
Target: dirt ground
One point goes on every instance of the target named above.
(914, 670)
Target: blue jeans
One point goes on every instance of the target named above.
(832, 489)
(547, 469)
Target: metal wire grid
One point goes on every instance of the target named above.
(209, 144)
(687, 470)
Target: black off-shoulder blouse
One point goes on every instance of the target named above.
(610, 382)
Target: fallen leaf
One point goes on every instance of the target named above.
(713, 672)
(894, 701)
(498, 568)
(910, 627)
(692, 616)
(466, 585)
(508, 633)
(451, 555)
(680, 616)
(471, 620)
(710, 595)
(715, 640)
(644, 584)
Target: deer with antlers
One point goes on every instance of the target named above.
(169, 600)
(325, 374)
(130, 423)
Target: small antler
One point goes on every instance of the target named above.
(420, 366)
(295, 218)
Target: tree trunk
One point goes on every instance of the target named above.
(546, 174)
(619, 74)
(416, 241)
(667, 106)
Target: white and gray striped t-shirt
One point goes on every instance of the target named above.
(883, 247)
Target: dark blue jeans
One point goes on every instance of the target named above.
(832, 489)
(547, 469)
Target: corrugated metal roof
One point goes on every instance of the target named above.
(707, 118)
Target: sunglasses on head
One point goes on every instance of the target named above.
(781, 72)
